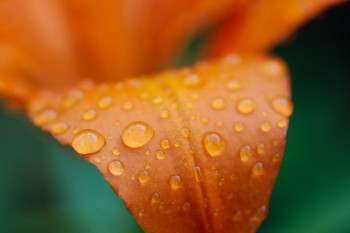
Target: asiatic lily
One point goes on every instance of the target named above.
(200, 146)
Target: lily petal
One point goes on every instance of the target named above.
(263, 23)
(188, 150)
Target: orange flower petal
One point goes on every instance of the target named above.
(264, 23)
(189, 150)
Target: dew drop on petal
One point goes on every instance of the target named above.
(144, 176)
(165, 144)
(282, 124)
(128, 105)
(175, 182)
(164, 114)
(192, 80)
(116, 168)
(233, 85)
(45, 116)
(265, 126)
(160, 154)
(238, 126)
(213, 143)
(245, 153)
(88, 141)
(218, 103)
(282, 106)
(90, 114)
(246, 106)
(261, 149)
(186, 206)
(141, 212)
(105, 102)
(59, 128)
(197, 173)
(154, 198)
(137, 134)
(258, 169)
(116, 151)
(185, 132)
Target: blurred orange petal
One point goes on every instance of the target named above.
(188, 150)
(263, 23)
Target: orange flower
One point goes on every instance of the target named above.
(194, 149)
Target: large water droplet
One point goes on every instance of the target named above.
(245, 106)
(175, 182)
(282, 105)
(144, 176)
(88, 141)
(218, 103)
(116, 168)
(245, 153)
(213, 143)
(137, 134)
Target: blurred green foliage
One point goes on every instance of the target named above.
(45, 187)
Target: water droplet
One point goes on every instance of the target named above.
(273, 68)
(105, 102)
(176, 143)
(45, 116)
(165, 144)
(116, 151)
(97, 159)
(59, 128)
(282, 124)
(185, 132)
(147, 152)
(141, 212)
(155, 198)
(238, 216)
(175, 182)
(137, 134)
(158, 99)
(189, 105)
(164, 114)
(90, 114)
(205, 120)
(218, 124)
(265, 126)
(116, 168)
(258, 169)
(276, 157)
(213, 143)
(128, 105)
(238, 126)
(218, 103)
(148, 165)
(261, 149)
(282, 106)
(88, 141)
(160, 154)
(144, 176)
(260, 214)
(245, 153)
(197, 173)
(245, 106)
(192, 80)
(186, 206)
(233, 85)
(195, 96)
(73, 98)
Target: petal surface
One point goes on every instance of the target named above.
(261, 24)
(188, 150)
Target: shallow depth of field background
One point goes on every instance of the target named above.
(45, 187)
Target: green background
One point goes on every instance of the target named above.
(45, 187)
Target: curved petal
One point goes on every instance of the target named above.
(264, 23)
(189, 150)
